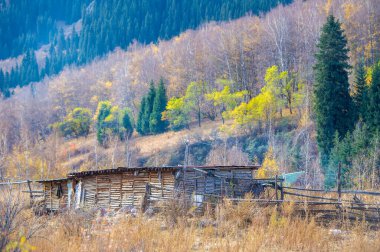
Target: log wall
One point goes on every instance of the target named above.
(53, 201)
(124, 189)
(233, 183)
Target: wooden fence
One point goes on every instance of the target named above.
(31, 187)
(330, 204)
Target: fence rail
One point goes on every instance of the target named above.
(358, 192)
(318, 203)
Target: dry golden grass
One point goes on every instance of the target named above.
(151, 144)
(229, 227)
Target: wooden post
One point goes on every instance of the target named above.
(145, 202)
(221, 187)
(196, 186)
(282, 190)
(133, 190)
(233, 185)
(339, 182)
(121, 189)
(96, 190)
(31, 193)
(275, 186)
(109, 191)
(162, 183)
(51, 196)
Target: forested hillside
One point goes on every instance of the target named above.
(104, 25)
(296, 89)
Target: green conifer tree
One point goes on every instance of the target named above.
(127, 123)
(360, 96)
(156, 124)
(374, 100)
(332, 103)
(2, 82)
(148, 109)
(341, 154)
(140, 117)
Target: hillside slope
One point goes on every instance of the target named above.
(105, 25)
(239, 52)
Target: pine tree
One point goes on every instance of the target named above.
(2, 82)
(341, 154)
(148, 109)
(332, 102)
(140, 118)
(127, 123)
(156, 124)
(360, 95)
(374, 100)
(29, 69)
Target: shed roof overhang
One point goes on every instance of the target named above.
(163, 168)
(52, 180)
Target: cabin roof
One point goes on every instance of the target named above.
(163, 168)
(52, 180)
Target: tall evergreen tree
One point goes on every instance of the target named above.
(127, 123)
(140, 118)
(374, 100)
(360, 96)
(156, 124)
(2, 81)
(148, 108)
(29, 69)
(332, 102)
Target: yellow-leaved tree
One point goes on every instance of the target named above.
(264, 106)
(177, 113)
(226, 100)
(269, 168)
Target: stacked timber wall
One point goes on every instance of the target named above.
(230, 183)
(125, 189)
(56, 195)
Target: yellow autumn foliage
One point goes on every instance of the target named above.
(269, 167)
(108, 84)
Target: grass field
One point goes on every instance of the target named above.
(228, 227)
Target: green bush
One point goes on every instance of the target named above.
(76, 124)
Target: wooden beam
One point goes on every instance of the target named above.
(121, 189)
(31, 193)
(96, 189)
(276, 187)
(51, 197)
(339, 182)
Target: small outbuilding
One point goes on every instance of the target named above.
(57, 193)
(138, 186)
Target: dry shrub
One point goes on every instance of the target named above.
(18, 223)
(243, 226)
(118, 233)
(174, 210)
(240, 214)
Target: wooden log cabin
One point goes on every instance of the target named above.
(130, 187)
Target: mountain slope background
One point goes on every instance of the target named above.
(104, 25)
(240, 50)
